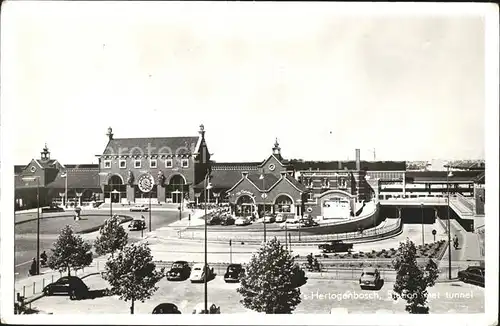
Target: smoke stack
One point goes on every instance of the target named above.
(340, 165)
(358, 159)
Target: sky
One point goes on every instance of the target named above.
(321, 80)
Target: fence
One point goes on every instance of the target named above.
(30, 288)
(332, 271)
(465, 201)
(294, 236)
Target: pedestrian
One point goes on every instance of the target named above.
(32, 270)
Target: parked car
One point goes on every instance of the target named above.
(370, 278)
(71, 285)
(282, 217)
(308, 223)
(269, 218)
(473, 274)
(227, 220)
(198, 273)
(139, 208)
(233, 273)
(335, 246)
(214, 220)
(179, 271)
(137, 225)
(290, 224)
(52, 208)
(242, 221)
(212, 308)
(166, 308)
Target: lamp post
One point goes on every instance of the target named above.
(207, 189)
(422, 210)
(37, 220)
(65, 176)
(264, 195)
(448, 175)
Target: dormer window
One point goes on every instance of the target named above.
(107, 164)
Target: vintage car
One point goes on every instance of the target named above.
(370, 278)
(227, 220)
(139, 208)
(138, 224)
(166, 308)
(198, 273)
(211, 307)
(473, 274)
(241, 221)
(335, 246)
(234, 272)
(269, 218)
(71, 285)
(179, 271)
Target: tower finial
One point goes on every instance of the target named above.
(276, 148)
(202, 131)
(45, 153)
(110, 133)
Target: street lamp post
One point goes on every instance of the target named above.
(37, 220)
(448, 175)
(422, 210)
(207, 189)
(149, 211)
(264, 195)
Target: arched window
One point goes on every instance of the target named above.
(177, 189)
(283, 204)
(115, 189)
(245, 206)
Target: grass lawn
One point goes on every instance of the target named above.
(53, 225)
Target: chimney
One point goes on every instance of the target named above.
(358, 160)
(340, 165)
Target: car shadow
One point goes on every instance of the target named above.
(94, 294)
(376, 288)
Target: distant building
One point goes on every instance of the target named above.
(55, 182)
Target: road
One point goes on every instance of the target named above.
(25, 234)
(318, 296)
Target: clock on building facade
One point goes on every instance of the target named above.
(146, 182)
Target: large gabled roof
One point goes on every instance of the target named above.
(83, 178)
(222, 179)
(152, 146)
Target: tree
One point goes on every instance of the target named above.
(412, 280)
(112, 237)
(70, 252)
(272, 281)
(132, 274)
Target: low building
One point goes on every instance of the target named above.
(55, 183)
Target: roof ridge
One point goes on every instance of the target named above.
(157, 137)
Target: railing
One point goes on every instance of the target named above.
(295, 235)
(466, 202)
